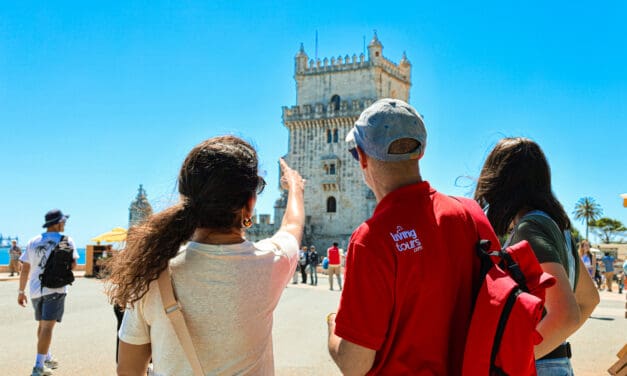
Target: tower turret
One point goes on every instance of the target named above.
(375, 48)
(405, 67)
(301, 60)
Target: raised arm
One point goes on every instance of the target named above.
(294, 217)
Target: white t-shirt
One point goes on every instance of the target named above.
(228, 294)
(37, 252)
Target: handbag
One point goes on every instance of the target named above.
(173, 311)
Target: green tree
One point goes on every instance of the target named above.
(587, 210)
(608, 229)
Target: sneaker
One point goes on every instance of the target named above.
(41, 371)
(52, 363)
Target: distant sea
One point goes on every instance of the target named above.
(4, 255)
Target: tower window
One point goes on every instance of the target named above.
(331, 204)
(335, 135)
(328, 136)
(332, 169)
(335, 102)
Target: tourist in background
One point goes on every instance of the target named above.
(598, 276)
(312, 261)
(335, 265)
(49, 303)
(228, 287)
(515, 189)
(608, 262)
(302, 264)
(587, 257)
(14, 258)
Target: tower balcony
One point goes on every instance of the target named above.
(319, 110)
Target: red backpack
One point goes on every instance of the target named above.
(508, 305)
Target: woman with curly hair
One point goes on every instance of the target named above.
(515, 189)
(228, 286)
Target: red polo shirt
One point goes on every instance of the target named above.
(410, 275)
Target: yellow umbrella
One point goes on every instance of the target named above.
(117, 234)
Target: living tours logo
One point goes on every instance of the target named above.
(406, 240)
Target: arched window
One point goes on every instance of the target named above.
(335, 135)
(335, 102)
(329, 136)
(332, 169)
(331, 204)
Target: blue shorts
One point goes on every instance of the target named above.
(554, 367)
(49, 307)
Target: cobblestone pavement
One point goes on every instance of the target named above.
(85, 340)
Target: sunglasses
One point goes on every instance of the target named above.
(261, 184)
(354, 153)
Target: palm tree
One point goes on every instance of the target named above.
(587, 210)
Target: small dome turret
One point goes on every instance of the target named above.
(375, 48)
(404, 60)
(301, 59)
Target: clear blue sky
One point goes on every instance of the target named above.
(96, 99)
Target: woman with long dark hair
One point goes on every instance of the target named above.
(228, 286)
(515, 189)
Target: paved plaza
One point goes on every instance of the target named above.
(85, 341)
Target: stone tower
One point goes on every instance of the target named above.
(140, 208)
(330, 95)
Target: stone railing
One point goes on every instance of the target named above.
(326, 110)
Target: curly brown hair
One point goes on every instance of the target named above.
(217, 179)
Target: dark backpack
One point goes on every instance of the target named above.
(507, 307)
(58, 270)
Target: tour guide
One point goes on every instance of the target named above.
(407, 298)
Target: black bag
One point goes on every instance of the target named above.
(58, 270)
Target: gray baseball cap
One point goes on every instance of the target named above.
(384, 122)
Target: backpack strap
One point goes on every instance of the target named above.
(173, 311)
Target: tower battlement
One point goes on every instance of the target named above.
(348, 63)
(306, 66)
(319, 110)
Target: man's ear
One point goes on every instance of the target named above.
(362, 158)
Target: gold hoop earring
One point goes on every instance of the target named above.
(247, 222)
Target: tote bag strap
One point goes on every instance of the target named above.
(174, 312)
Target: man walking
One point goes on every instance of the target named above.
(313, 260)
(335, 265)
(47, 302)
(14, 263)
(400, 312)
(608, 262)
